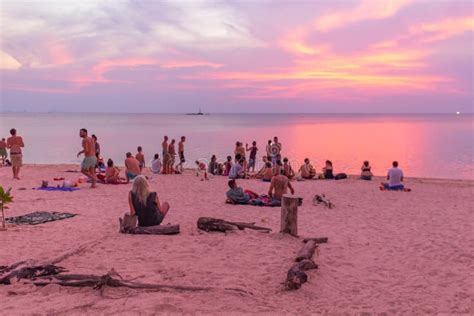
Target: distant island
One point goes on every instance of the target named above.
(198, 113)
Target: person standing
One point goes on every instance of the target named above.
(97, 146)
(172, 156)
(164, 154)
(182, 160)
(90, 159)
(140, 157)
(15, 144)
(276, 150)
(253, 155)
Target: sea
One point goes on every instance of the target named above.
(425, 145)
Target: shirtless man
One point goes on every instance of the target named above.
(172, 156)
(182, 160)
(132, 167)
(140, 157)
(15, 143)
(307, 170)
(279, 186)
(164, 154)
(90, 159)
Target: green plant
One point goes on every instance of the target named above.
(5, 198)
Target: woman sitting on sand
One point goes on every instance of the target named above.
(366, 174)
(327, 170)
(145, 204)
(112, 174)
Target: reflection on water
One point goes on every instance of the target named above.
(436, 146)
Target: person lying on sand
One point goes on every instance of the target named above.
(236, 195)
(287, 169)
(112, 174)
(132, 167)
(145, 204)
(366, 174)
(395, 179)
(307, 170)
(279, 186)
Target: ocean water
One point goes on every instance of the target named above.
(433, 146)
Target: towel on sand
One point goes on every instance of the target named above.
(38, 218)
(57, 189)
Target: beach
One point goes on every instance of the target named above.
(388, 252)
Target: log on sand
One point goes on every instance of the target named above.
(220, 225)
(296, 276)
(128, 225)
(307, 251)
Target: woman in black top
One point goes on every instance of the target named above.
(366, 174)
(145, 204)
(327, 170)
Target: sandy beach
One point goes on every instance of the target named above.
(388, 252)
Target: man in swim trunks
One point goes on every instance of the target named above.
(132, 167)
(253, 155)
(15, 143)
(140, 157)
(90, 159)
(182, 160)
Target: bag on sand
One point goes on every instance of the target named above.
(340, 176)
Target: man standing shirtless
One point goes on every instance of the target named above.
(280, 184)
(90, 159)
(15, 143)
(182, 160)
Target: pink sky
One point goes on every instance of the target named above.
(270, 56)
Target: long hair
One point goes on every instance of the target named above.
(141, 189)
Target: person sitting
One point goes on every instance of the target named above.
(237, 170)
(145, 204)
(156, 164)
(268, 172)
(395, 179)
(307, 170)
(112, 174)
(327, 170)
(366, 174)
(227, 166)
(213, 167)
(279, 186)
(132, 167)
(278, 168)
(287, 169)
(236, 195)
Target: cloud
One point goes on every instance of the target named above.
(441, 30)
(366, 10)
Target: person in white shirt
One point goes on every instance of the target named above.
(237, 170)
(395, 179)
(156, 164)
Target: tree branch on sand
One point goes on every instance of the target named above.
(220, 225)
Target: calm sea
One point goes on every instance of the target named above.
(434, 146)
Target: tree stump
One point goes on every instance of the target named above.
(289, 215)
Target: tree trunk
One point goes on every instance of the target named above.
(289, 215)
(307, 251)
(318, 240)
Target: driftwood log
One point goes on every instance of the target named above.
(289, 215)
(128, 225)
(318, 199)
(220, 225)
(296, 276)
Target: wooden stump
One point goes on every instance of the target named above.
(289, 215)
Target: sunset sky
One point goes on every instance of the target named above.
(237, 56)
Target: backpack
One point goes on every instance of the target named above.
(340, 176)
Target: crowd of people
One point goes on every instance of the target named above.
(275, 170)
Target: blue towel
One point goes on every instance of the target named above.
(57, 189)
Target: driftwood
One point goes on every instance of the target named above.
(289, 215)
(42, 275)
(220, 225)
(128, 225)
(296, 276)
(318, 240)
(307, 251)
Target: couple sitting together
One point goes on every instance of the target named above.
(279, 185)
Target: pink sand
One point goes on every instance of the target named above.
(388, 251)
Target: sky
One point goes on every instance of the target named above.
(320, 56)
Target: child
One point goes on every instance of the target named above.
(201, 167)
(156, 164)
(140, 157)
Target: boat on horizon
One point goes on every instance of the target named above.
(198, 113)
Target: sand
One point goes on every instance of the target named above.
(388, 252)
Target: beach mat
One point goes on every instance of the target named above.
(57, 189)
(38, 218)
